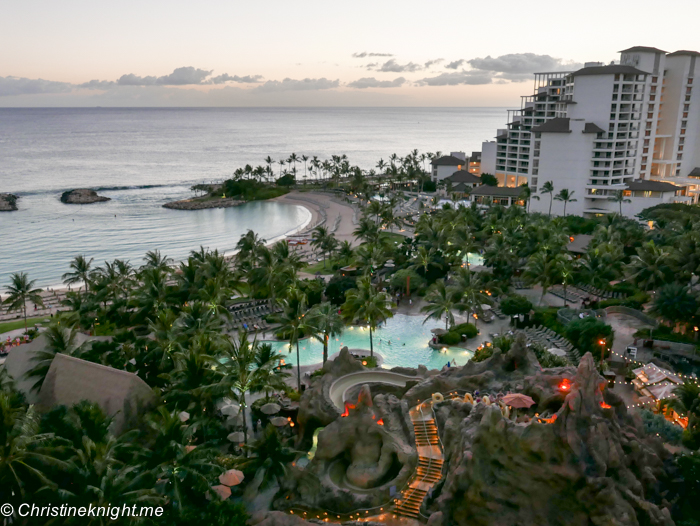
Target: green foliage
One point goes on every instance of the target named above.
(313, 288)
(489, 179)
(250, 190)
(482, 354)
(587, 333)
(688, 512)
(579, 225)
(666, 333)
(657, 425)
(548, 318)
(429, 186)
(515, 304)
(398, 280)
(455, 335)
(336, 288)
(286, 180)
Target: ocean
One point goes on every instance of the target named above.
(142, 158)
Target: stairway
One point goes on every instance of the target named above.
(430, 460)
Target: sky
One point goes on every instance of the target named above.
(314, 53)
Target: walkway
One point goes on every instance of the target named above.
(430, 460)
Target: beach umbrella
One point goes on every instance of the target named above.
(184, 416)
(236, 437)
(557, 351)
(278, 421)
(230, 409)
(518, 400)
(485, 306)
(270, 409)
(232, 477)
(222, 491)
(438, 331)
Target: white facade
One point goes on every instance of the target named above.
(601, 129)
(488, 157)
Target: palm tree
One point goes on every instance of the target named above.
(543, 269)
(293, 323)
(26, 455)
(80, 272)
(19, 292)
(319, 240)
(548, 188)
(619, 197)
(649, 268)
(305, 158)
(60, 339)
(470, 291)
(239, 372)
(675, 304)
(526, 195)
(345, 252)
(566, 196)
(566, 271)
(268, 459)
(365, 304)
(153, 259)
(326, 323)
(442, 300)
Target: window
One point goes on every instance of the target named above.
(685, 115)
(654, 79)
(679, 157)
(680, 148)
(613, 108)
(684, 124)
(616, 88)
(646, 142)
(644, 167)
(652, 97)
(650, 115)
(681, 140)
(682, 131)
(651, 107)
(617, 77)
(688, 90)
(690, 80)
(647, 133)
(686, 107)
(646, 150)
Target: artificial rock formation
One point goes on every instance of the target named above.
(359, 458)
(82, 196)
(8, 202)
(591, 466)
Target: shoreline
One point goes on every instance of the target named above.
(311, 219)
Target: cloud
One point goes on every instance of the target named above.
(248, 79)
(371, 82)
(297, 85)
(365, 54)
(391, 66)
(457, 78)
(22, 86)
(433, 62)
(521, 66)
(455, 64)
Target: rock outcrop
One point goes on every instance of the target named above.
(82, 196)
(8, 202)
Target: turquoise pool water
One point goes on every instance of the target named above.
(403, 342)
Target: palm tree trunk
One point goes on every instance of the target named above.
(550, 205)
(565, 305)
(298, 369)
(371, 345)
(25, 317)
(245, 421)
(325, 348)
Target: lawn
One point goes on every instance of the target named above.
(19, 324)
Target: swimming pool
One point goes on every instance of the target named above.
(403, 342)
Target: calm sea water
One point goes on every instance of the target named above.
(142, 158)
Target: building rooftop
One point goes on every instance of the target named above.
(651, 186)
(497, 191)
(447, 160)
(608, 70)
(642, 49)
(695, 172)
(557, 125)
(682, 52)
(652, 374)
(475, 158)
(462, 176)
(579, 244)
(592, 128)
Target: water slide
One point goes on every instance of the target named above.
(344, 383)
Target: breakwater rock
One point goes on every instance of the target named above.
(8, 202)
(203, 204)
(82, 196)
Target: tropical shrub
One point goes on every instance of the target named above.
(587, 333)
(658, 425)
(515, 304)
(335, 291)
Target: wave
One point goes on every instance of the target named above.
(108, 188)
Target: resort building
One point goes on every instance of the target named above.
(462, 182)
(475, 163)
(632, 127)
(446, 165)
